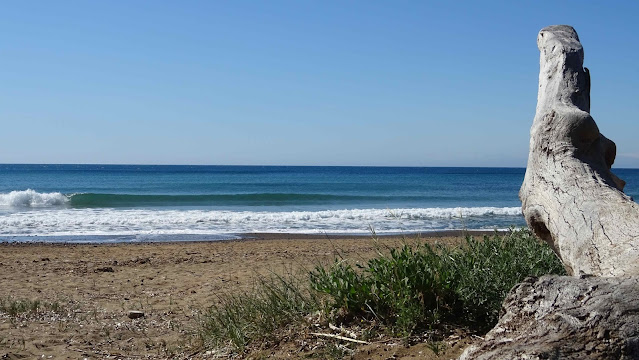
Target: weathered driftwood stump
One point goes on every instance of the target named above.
(562, 317)
(573, 201)
(570, 197)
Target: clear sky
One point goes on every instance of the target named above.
(405, 83)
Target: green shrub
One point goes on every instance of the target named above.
(486, 270)
(344, 283)
(419, 287)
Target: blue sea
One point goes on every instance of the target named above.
(129, 203)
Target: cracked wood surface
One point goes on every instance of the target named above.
(561, 317)
(570, 198)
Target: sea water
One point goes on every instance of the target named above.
(122, 203)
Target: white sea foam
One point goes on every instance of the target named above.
(84, 222)
(32, 198)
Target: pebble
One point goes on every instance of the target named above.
(135, 314)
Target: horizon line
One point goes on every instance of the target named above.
(272, 165)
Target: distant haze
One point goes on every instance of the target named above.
(402, 83)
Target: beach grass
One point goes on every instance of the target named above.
(240, 319)
(16, 307)
(404, 292)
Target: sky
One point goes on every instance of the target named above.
(373, 83)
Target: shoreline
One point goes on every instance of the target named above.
(264, 236)
(423, 234)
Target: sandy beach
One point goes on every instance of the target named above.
(85, 293)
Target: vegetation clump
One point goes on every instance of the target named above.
(409, 290)
(17, 307)
(420, 287)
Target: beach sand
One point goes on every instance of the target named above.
(86, 291)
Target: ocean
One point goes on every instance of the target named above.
(131, 203)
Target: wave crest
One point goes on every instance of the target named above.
(32, 198)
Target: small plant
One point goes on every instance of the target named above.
(436, 347)
(335, 351)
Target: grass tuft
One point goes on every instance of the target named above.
(240, 319)
(16, 307)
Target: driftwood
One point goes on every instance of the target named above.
(562, 317)
(339, 337)
(570, 197)
(572, 200)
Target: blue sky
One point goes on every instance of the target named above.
(402, 83)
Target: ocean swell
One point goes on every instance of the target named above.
(32, 198)
(249, 199)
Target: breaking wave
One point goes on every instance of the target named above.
(89, 221)
(32, 198)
